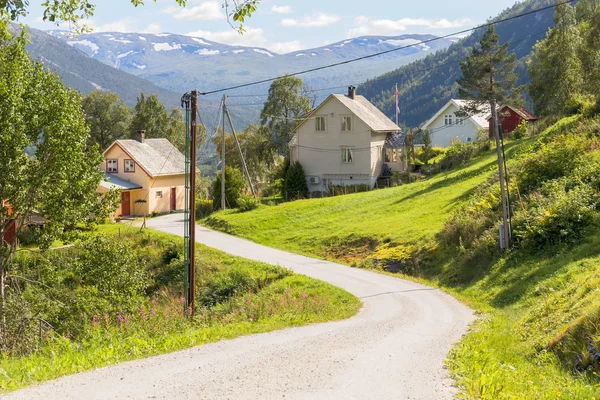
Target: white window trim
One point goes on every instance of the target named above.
(449, 119)
(342, 117)
(115, 162)
(343, 148)
(324, 124)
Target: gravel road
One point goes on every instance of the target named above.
(393, 349)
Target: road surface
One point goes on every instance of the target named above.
(393, 349)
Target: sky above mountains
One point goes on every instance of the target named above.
(286, 25)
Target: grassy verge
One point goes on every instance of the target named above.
(540, 305)
(236, 296)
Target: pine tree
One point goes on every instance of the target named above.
(556, 69)
(489, 74)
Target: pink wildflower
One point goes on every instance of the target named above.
(152, 312)
(235, 310)
(120, 318)
(304, 295)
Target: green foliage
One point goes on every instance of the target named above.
(282, 111)
(339, 190)
(247, 202)
(521, 130)
(234, 183)
(203, 208)
(152, 116)
(295, 182)
(107, 116)
(427, 152)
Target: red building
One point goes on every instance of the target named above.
(510, 117)
(9, 230)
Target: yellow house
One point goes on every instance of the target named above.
(150, 173)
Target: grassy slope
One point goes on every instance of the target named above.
(406, 214)
(531, 301)
(118, 343)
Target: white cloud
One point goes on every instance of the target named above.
(206, 11)
(253, 37)
(368, 26)
(314, 21)
(207, 52)
(152, 28)
(282, 10)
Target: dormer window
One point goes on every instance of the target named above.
(320, 124)
(129, 166)
(346, 124)
(112, 166)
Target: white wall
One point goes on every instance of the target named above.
(328, 164)
(443, 135)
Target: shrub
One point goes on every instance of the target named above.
(521, 130)
(247, 203)
(203, 208)
(234, 183)
(458, 153)
(295, 182)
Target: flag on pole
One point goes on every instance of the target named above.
(397, 101)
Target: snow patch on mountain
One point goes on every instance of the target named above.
(263, 52)
(162, 34)
(202, 42)
(238, 51)
(300, 54)
(121, 40)
(207, 52)
(399, 42)
(123, 55)
(166, 46)
(86, 43)
(142, 38)
(138, 66)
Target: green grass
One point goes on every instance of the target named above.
(349, 227)
(284, 301)
(534, 305)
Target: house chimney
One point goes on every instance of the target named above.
(142, 136)
(352, 92)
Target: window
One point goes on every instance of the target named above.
(346, 124)
(159, 194)
(468, 139)
(112, 166)
(448, 119)
(129, 166)
(320, 124)
(461, 121)
(347, 155)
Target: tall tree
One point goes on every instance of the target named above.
(282, 110)
(107, 116)
(58, 174)
(588, 26)
(151, 115)
(488, 73)
(555, 69)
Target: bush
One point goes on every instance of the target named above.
(521, 130)
(457, 154)
(234, 183)
(203, 208)
(338, 190)
(295, 182)
(247, 203)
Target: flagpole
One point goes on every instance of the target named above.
(396, 104)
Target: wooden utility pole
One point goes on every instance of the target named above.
(237, 143)
(223, 202)
(505, 228)
(192, 205)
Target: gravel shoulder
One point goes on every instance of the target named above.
(393, 349)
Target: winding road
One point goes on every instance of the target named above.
(393, 349)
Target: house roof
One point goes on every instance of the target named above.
(479, 119)
(113, 182)
(520, 111)
(363, 109)
(158, 157)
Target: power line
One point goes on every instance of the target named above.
(391, 50)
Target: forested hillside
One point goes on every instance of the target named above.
(425, 85)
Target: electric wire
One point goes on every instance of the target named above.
(488, 24)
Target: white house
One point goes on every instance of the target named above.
(341, 142)
(445, 126)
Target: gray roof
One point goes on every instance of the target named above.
(157, 156)
(368, 113)
(112, 182)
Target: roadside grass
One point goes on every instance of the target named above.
(348, 228)
(236, 296)
(537, 308)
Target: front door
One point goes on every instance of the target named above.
(173, 199)
(125, 204)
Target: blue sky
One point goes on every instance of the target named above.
(287, 25)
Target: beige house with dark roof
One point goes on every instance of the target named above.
(342, 142)
(150, 173)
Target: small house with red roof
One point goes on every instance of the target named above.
(509, 118)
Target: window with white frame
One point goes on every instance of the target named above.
(448, 119)
(347, 155)
(112, 166)
(320, 124)
(129, 166)
(346, 123)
